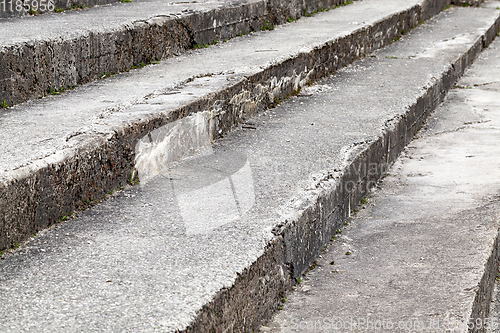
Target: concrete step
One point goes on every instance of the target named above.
(211, 243)
(422, 253)
(63, 152)
(43, 54)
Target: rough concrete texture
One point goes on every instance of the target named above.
(161, 257)
(72, 48)
(467, 2)
(424, 248)
(67, 150)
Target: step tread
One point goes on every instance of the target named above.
(100, 19)
(152, 256)
(420, 246)
(86, 110)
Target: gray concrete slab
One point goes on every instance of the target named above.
(210, 243)
(68, 149)
(424, 248)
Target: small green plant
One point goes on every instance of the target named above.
(33, 11)
(333, 238)
(110, 192)
(139, 65)
(465, 5)
(298, 280)
(498, 8)
(290, 19)
(133, 180)
(102, 76)
(447, 7)
(71, 87)
(364, 200)
(346, 223)
(224, 40)
(16, 245)
(123, 1)
(348, 253)
(266, 26)
(403, 32)
(1, 252)
(395, 39)
(54, 91)
(283, 300)
(200, 46)
(87, 201)
(277, 100)
(309, 14)
(154, 61)
(58, 10)
(240, 34)
(338, 231)
(4, 105)
(342, 4)
(355, 211)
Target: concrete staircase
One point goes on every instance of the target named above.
(228, 200)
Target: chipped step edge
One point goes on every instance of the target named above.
(65, 62)
(258, 290)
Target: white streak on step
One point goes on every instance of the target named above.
(171, 143)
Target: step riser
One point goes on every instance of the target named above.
(35, 197)
(299, 240)
(484, 294)
(30, 69)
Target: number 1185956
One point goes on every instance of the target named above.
(27, 5)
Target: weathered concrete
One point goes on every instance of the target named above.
(160, 256)
(424, 249)
(467, 2)
(66, 150)
(72, 48)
